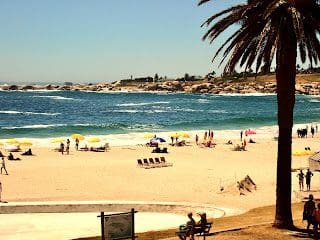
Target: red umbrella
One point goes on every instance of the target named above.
(249, 132)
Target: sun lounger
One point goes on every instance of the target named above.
(164, 163)
(141, 164)
(157, 160)
(155, 163)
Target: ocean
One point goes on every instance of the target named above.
(124, 118)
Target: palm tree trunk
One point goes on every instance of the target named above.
(285, 75)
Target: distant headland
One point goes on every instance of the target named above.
(305, 84)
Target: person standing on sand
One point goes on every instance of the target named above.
(62, 148)
(68, 146)
(197, 139)
(241, 134)
(300, 176)
(3, 166)
(309, 174)
(77, 144)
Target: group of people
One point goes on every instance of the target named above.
(192, 227)
(301, 176)
(303, 132)
(67, 149)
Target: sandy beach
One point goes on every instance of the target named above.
(197, 175)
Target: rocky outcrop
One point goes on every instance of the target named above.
(210, 86)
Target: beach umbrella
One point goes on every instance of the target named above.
(93, 139)
(299, 152)
(56, 140)
(184, 134)
(12, 141)
(25, 142)
(249, 132)
(149, 135)
(77, 136)
(160, 139)
(175, 135)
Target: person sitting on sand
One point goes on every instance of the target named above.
(28, 152)
(188, 228)
(11, 157)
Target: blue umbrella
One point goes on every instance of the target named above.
(157, 139)
(160, 139)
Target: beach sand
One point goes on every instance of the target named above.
(197, 175)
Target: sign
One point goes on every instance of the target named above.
(117, 226)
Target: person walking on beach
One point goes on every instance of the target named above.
(308, 211)
(3, 166)
(309, 174)
(62, 147)
(68, 146)
(197, 139)
(77, 144)
(241, 134)
(300, 176)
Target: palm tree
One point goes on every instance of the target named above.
(265, 28)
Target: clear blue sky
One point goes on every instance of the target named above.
(103, 40)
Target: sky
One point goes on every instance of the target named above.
(104, 40)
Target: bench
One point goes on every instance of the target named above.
(205, 232)
(198, 231)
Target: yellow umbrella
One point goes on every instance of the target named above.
(175, 135)
(299, 152)
(184, 134)
(25, 142)
(12, 141)
(149, 135)
(77, 136)
(93, 139)
(58, 139)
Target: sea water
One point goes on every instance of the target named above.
(123, 118)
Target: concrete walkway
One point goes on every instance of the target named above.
(68, 220)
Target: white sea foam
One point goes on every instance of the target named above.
(35, 126)
(140, 104)
(314, 100)
(246, 94)
(54, 97)
(203, 100)
(29, 113)
(134, 138)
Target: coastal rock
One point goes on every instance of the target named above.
(28, 87)
(13, 87)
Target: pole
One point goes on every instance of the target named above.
(132, 226)
(102, 226)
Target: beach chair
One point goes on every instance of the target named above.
(157, 161)
(146, 163)
(141, 165)
(164, 163)
(153, 163)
